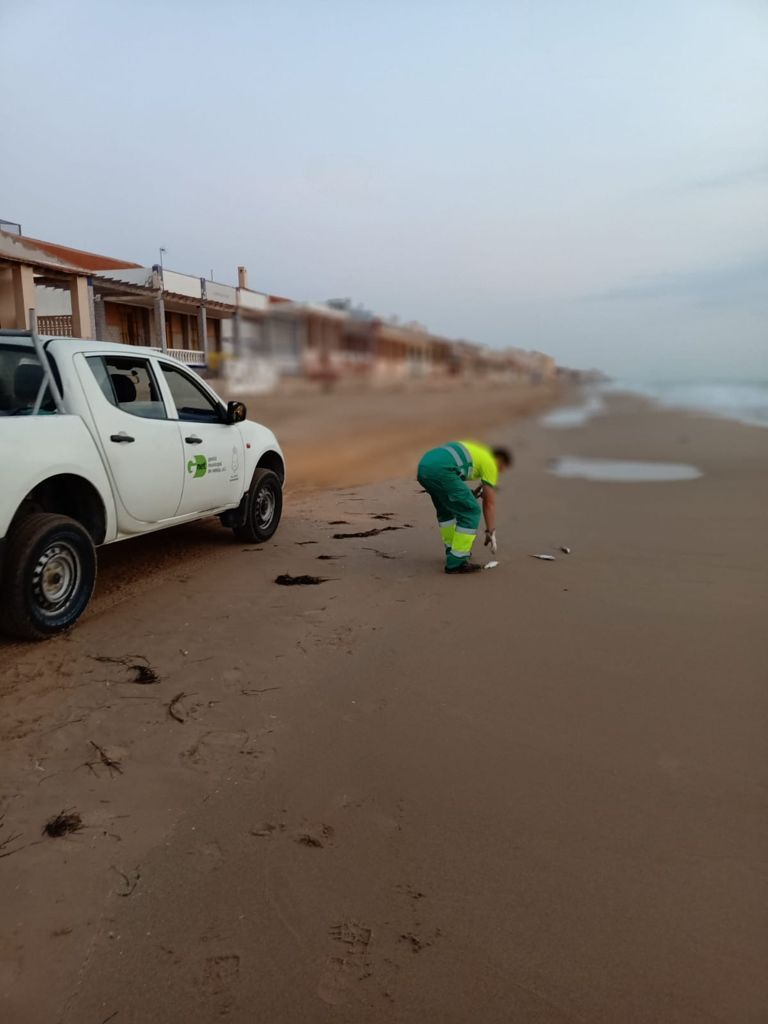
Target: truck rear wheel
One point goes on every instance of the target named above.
(263, 508)
(48, 576)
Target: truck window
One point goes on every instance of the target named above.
(21, 378)
(192, 403)
(129, 384)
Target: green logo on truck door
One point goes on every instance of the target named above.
(197, 466)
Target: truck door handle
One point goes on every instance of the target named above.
(192, 439)
(122, 438)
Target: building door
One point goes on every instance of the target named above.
(132, 326)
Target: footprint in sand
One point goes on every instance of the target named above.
(416, 943)
(219, 977)
(316, 838)
(342, 973)
(339, 639)
(411, 891)
(356, 937)
(335, 981)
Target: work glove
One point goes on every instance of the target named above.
(490, 538)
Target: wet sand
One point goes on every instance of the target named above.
(536, 795)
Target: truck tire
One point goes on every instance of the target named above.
(48, 576)
(262, 509)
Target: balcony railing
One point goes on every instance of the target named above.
(189, 356)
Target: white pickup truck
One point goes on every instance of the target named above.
(102, 442)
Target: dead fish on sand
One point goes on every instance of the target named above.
(545, 558)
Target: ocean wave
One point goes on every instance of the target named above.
(744, 401)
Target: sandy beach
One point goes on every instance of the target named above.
(534, 795)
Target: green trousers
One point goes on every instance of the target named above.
(458, 513)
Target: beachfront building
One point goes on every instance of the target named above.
(401, 352)
(81, 294)
(508, 365)
(303, 339)
(192, 317)
(536, 367)
(231, 331)
(161, 308)
(35, 276)
(336, 342)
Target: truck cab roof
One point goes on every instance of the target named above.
(57, 344)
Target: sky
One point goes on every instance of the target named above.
(584, 177)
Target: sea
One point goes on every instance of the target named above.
(743, 400)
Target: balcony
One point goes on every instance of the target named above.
(188, 356)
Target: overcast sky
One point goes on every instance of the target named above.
(586, 177)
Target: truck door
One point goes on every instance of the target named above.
(213, 449)
(144, 453)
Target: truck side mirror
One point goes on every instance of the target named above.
(236, 412)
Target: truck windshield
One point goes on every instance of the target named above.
(21, 377)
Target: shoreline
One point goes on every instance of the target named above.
(594, 397)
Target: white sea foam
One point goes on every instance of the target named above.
(742, 400)
(574, 415)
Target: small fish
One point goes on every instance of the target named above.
(490, 565)
(544, 558)
(566, 551)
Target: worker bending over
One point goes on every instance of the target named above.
(443, 473)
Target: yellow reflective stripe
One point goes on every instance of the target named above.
(462, 542)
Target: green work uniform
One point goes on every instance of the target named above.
(442, 472)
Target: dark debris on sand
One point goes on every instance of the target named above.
(63, 824)
(285, 580)
(370, 533)
(144, 674)
(309, 840)
(109, 762)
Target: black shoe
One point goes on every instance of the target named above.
(464, 568)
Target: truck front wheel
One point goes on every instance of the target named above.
(264, 507)
(48, 576)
